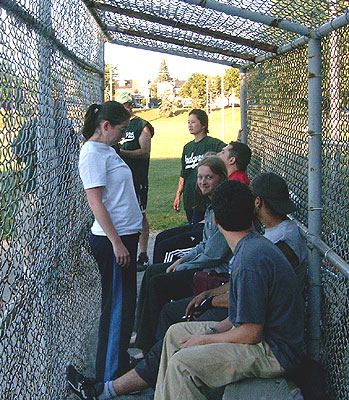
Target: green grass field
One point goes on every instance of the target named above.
(171, 134)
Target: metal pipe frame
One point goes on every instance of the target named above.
(314, 193)
(252, 16)
(316, 33)
(326, 251)
(12, 7)
(176, 53)
(181, 42)
(184, 26)
(243, 104)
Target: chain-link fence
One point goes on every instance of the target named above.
(51, 53)
(51, 57)
(278, 136)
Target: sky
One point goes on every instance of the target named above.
(143, 64)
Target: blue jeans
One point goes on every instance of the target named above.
(119, 290)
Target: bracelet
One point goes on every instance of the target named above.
(213, 330)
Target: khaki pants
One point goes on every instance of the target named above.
(184, 372)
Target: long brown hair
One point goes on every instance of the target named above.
(218, 167)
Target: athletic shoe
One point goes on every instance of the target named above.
(142, 262)
(83, 387)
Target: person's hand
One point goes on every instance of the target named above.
(195, 302)
(176, 203)
(173, 267)
(194, 340)
(121, 254)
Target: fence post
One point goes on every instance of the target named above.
(243, 104)
(314, 193)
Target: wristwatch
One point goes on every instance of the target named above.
(213, 330)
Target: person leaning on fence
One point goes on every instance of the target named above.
(263, 335)
(109, 188)
(193, 152)
(272, 204)
(134, 149)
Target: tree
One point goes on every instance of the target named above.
(195, 88)
(166, 106)
(163, 75)
(232, 80)
(110, 75)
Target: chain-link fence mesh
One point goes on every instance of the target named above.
(50, 52)
(278, 136)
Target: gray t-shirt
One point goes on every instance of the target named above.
(264, 290)
(288, 232)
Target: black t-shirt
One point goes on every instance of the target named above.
(138, 166)
(193, 152)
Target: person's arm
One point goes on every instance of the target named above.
(94, 198)
(173, 267)
(197, 300)
(177, 200)
(244, 334)
(145, 144)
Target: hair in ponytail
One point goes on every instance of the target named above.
(111, 111)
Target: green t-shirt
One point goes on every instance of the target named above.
(193, 152)
(138, 166)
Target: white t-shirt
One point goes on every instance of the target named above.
(100, 165)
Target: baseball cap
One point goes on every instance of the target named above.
(273, 188)
(125, 97)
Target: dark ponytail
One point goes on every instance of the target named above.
(111, 111)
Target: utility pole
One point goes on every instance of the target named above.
(222, 89)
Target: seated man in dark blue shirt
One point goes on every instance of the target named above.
(263, 334)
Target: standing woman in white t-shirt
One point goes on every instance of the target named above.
(110, 193)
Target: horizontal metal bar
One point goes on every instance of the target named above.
(252, 16)
(180, 42)
(187, 27)
(326, 251)
(316, 33)
(331, 26)
(175, 53)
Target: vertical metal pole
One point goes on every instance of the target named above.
(110, 82)
(222, 89)
(207, 96)
(314, 192)
(232, 106)
(243, 104)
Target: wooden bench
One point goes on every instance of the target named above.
(258, 389)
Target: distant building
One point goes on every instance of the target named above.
(139, 89)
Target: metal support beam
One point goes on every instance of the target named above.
(314, 193)
(317, 33)
(252, 16)
(243, 105)
(184, 43)
(186, 27)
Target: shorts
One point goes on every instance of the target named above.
(142, 196)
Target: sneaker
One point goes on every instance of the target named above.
(83, 387)
(142, 262)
